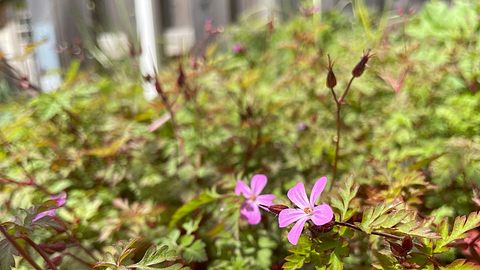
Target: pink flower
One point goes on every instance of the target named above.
(59, 200)
(250, 208)
(238, 48)
(319, 215)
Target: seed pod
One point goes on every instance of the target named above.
(277, 208)
(181, 76)
(53, 247)
(407, 243)
(360, 67)
(398, 250)
(323, 228)
(331, 79)
(56, 261)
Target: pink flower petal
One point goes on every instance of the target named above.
(50, 213)
(317, 190)
(265, 199)
(242, 188)
(250, 212)
(60, 199)
(290, 215)
(322, 214)
(296, 231)
(258, 183)
(298, 196)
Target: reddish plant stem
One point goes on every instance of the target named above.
(15, 182)
(337, 140)
(30, 182)
(40, 251)
(346, 90)
(20, 250)
(338, 123)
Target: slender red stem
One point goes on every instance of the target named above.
(346, 90)
(41, 252)
(338, 123)
(20, 250)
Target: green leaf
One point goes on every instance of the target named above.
(7, 261)
(156, 255)
(345, 195)
(103, 264)
(108, 150)
(374, 216)
(417, 228)
(396, 219)
(300, 254)
(196, 252)
(335, 262)
(204, 198)
(293, 261)
(460, 264)
(461, 225)
(130, 247)
(186, 240)
(176, 266)
(191, 226)
(386, 262)
(72, 72)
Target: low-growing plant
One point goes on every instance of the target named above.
(94, 176)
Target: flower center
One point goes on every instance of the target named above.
(252, 198)
(308, 211)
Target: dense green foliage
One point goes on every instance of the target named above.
(409, 159)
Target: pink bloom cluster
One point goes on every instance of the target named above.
(306, 210)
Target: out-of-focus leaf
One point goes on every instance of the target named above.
(196, 252)
(203, 199)
(7, 261)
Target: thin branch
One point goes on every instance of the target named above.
(41, 252)
(20, 250)
(338, 123)
(346, 90)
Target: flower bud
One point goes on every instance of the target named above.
(53, 247)
(331, 79)
(360, 67)
(401, 250)
(238, 48)
(181, 76)
(407, 243)
(277, 208)
(397, 250)
(323, 228)
(57, 260)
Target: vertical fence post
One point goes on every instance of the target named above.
(149, 61)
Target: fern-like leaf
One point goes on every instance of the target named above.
(461, 225)
(343, 199)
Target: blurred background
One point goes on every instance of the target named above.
(38, 38)
(241, 89)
